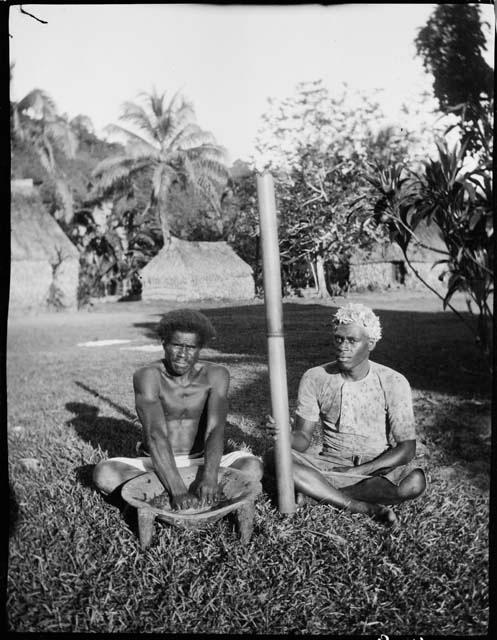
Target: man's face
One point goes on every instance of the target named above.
(181, 352)
(352, 345)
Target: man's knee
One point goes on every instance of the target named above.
(250, 465)
(106, 477)
(413, 485)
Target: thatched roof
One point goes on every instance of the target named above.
(194, 270)
(428, 235)
(35, 235)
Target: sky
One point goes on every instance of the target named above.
(228, 60)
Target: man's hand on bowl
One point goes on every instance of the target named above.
(208, 492)
(184, 501)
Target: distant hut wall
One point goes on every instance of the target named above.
(30, 282)
(44, 268)
(182, 287)
(36, 284)
(195, 271)
(372, 275)
(65, 281)
(429, 272)
(384, 265)
(390, 274)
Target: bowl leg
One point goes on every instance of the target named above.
(245, 520)
(146, 520)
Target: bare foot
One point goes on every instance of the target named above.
(300, 499)
(386, 516)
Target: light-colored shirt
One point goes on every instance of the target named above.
(362, 417)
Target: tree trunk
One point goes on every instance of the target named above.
(322, 289)
(164, 223)
(485, 336)
(314, 276)
(65, 195)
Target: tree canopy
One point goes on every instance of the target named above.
(171, 149)
(456, 200)
(318, 146)
(37, 126)
(451, 45)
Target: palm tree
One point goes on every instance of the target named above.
(172, 149)
(36, 122)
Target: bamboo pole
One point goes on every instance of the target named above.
(275, 340)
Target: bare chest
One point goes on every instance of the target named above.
(181, 402)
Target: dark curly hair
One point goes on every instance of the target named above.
(188, 321)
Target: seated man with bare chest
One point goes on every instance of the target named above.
(182, 404)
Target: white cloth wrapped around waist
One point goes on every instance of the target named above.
(144, 463)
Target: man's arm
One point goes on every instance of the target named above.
(401, 454)
(217, 410)
(151, 414)
(307, 405)
(301, 432)
(400, 417)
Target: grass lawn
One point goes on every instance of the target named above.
(74, 562)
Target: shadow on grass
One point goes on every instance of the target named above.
(117, 437)
(84, 476)
(13, 511)
(434, 350)
(126, 412)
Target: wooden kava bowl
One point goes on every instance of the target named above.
(237, 491)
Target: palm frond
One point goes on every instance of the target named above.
(130, 135)
(63, 136)
(196, 139)
(82, 122)
(45, 155)
(140, 151)
(172, 138)
(112, 175)
(174, 121)
(137, 115)
(173, 148)
(209, 192)
(109, 163)
(111, 170)
(189, 172)
(155, 102)
(212, 152)
(179, 103)
(214, 170)
(41, 103)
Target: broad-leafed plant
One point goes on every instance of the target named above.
(458, 201)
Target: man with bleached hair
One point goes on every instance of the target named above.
(366, 415)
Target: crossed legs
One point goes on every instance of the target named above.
(380, 490)
(369, 496)
(312, 483)
(110, 474)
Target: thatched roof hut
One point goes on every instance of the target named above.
(384, 265)
(195, 271)
(44, 262)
